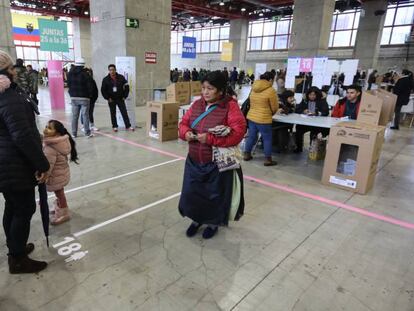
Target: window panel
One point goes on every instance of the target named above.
(404, 16)
(333, 22)
(357, 18)
(215, 33)
(282, 27)
(205, 46)
(224, 32)
(269, 29)
(386, 34)
(268, 43)
(30, 53)
(256, 44)
(19, 51)
(342, 38)
(389, 18)
(400, 34)
(205, 35)
(331, 39)
(173, 37)
(214, 46)
(257, 30)
(354, 36)
(43, 55)
(345, 21)
(282, 42)
(197, 35)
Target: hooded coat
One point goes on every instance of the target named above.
(57, 150)
(263, 102)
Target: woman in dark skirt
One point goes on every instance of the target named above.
(208, 196)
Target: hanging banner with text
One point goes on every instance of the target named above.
(293, 65)
(56, 86)
(227, 53)
(319, 70)
(189, 47)
(53, 36)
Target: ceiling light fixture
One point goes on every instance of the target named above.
(221, 3)
(243, 9)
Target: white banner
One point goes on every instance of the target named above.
(349, 68)
(331, 68)
(126, 66)
(293, 65)
(320, 65)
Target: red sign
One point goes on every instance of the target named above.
(150, 57)
(306, 64)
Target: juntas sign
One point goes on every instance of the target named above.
(53, 36)
(189, 47)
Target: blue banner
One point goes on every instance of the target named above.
(189, 47)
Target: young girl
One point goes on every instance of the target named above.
(57, 146)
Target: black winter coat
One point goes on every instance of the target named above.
(121, 84)
(403, 89)
(21, 154)
(80, 83)
(322, 107)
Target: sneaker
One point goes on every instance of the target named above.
(210, 232)
(83, 129)
(130, 129)
(61, 216)
(192, 230)
(90, 135)
(74, 135)
(94, 128)
(395, 128)
(115, 129)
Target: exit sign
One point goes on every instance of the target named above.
(132, 23)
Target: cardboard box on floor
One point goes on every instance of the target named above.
(195, 88)
(162, 120)
(179, 92)
(353, 153)
(354, 148)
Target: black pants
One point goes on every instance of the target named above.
(302, 129)
(397, 116)
(91, 109)
(19, 209)
(122, 107)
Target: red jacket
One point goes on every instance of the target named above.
(339, 109)
(228, 113)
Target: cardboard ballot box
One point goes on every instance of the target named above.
(353, 153)
(179, 93)
(377, 107)
(195, 88)
(162, 120)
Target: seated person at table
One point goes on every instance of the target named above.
(312, 105)
(280, 129)
(349, 105)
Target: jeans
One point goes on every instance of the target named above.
(266, 131)
(19, 209)
(80, 106)
(91, 109)
(122, 108)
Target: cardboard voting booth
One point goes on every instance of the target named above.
(179, 92)
(162, 120)
(354, 148)
(195, 88)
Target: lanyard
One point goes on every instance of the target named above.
(202, 116)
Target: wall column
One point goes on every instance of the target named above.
(111, 38)
(6, 33)
(368, 40)
(312, 21)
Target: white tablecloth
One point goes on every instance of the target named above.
(294, 118)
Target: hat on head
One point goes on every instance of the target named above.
(79, 62)
(5, 60)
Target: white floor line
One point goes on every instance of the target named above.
(121, 176)
(138, 210)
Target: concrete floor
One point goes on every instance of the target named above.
(289, 252)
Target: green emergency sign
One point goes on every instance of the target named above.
(53, 36)
(132, 23)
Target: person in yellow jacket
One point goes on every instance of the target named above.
(263, 105)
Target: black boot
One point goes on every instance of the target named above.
(29, 248)
(23, 264)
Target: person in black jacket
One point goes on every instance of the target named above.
(22, 166)
(80, 90)
(115, 90)
(312, 105)
(94, 98)
(402, 89)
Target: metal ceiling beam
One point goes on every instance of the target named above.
(203, 9)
